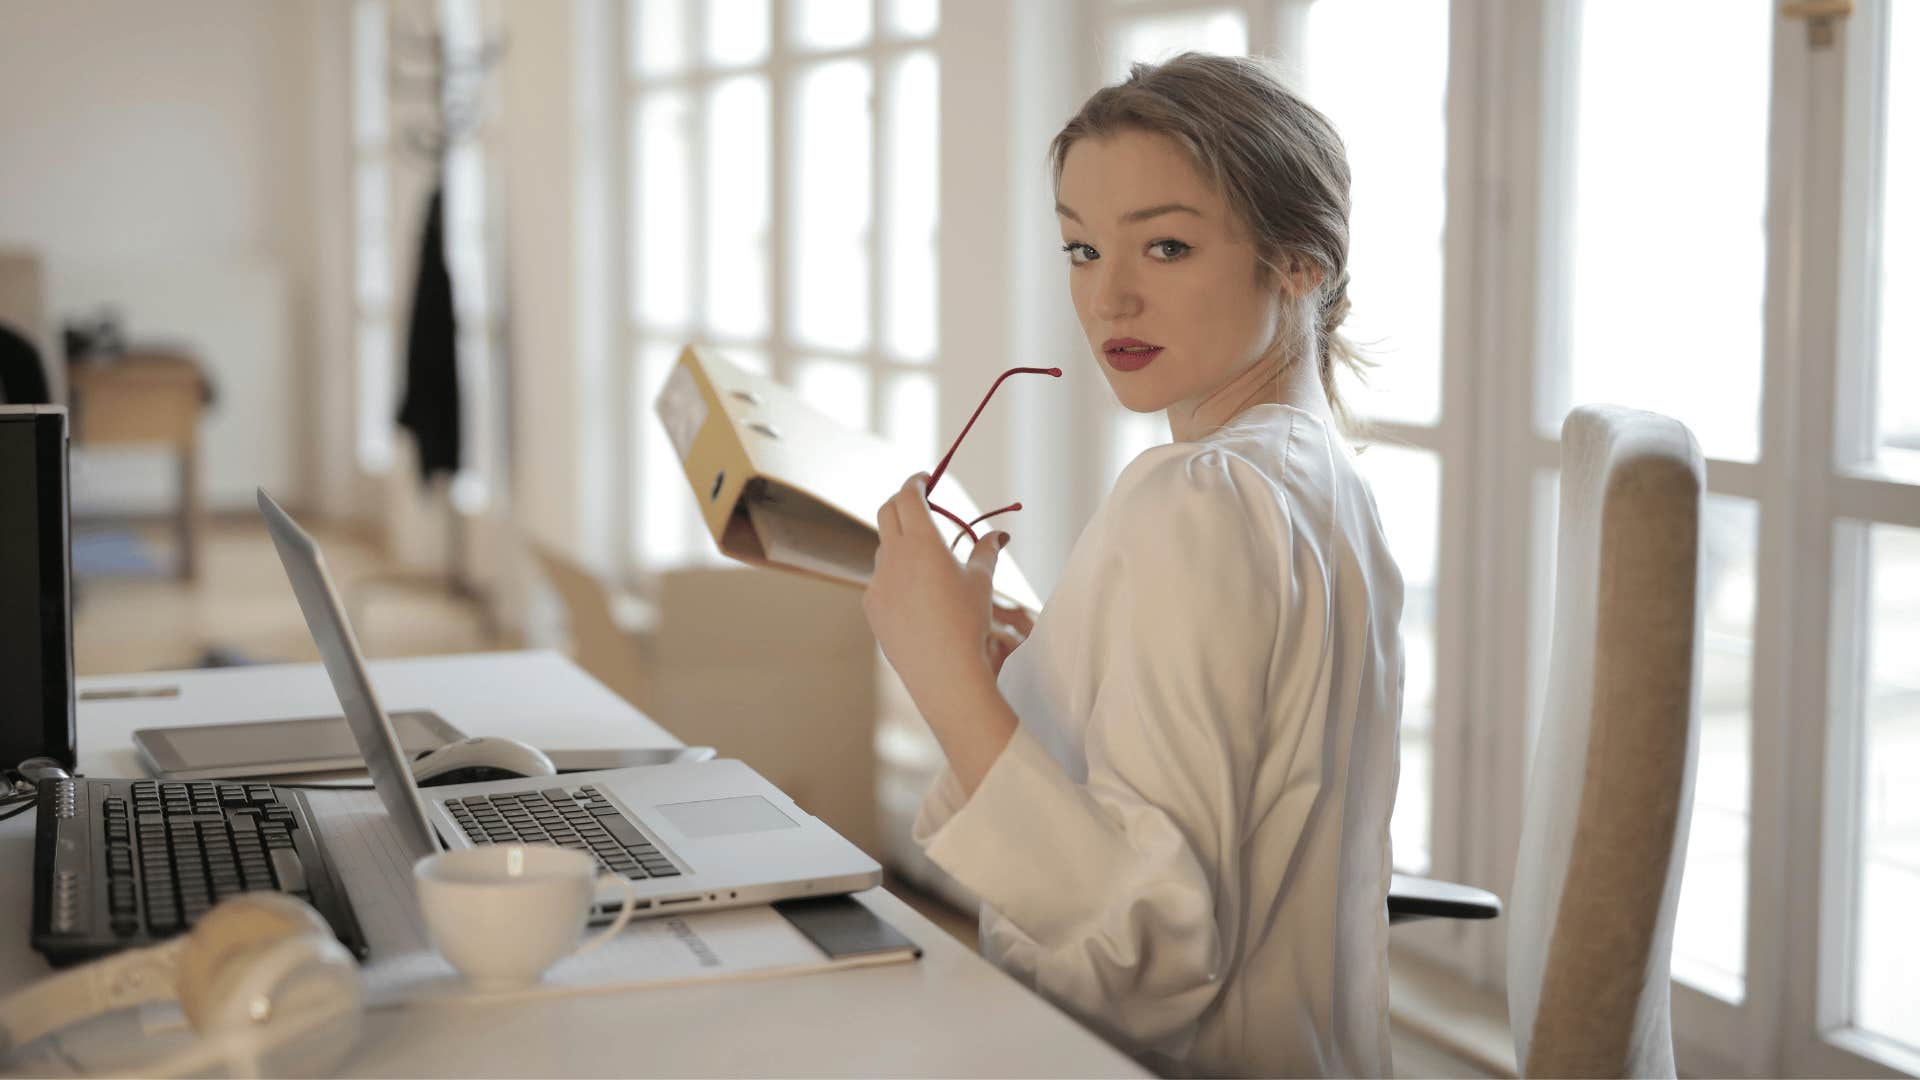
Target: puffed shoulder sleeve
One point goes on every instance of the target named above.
(1123, 891)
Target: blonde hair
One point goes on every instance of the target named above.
(1277, 161)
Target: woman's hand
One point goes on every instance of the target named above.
(931, 614)
(933, 617)
(1011, 627)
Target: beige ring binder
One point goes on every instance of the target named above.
(781, 484)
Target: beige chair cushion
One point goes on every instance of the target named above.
(1609, 796)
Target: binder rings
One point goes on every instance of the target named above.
(781, 484)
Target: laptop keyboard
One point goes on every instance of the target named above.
(580, 818)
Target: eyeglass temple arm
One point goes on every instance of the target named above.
(967, 527)
(940, 470)
(953, 517)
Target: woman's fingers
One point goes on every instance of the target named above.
(1015, 616)
(986, 554)
(912, 501)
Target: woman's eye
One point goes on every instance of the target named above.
(1078, 253)
(1169, 250)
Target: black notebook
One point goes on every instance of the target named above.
(844, 927)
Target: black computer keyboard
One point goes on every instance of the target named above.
(119, 863)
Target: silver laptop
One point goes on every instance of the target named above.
(693, 835)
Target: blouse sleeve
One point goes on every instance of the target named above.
(1123, 892)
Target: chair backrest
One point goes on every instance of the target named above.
(1609, 795)
(609, 651)
(780, 671)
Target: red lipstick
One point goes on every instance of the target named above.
(1129, 354)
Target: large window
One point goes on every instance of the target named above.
(784, 205)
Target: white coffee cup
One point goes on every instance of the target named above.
(503, 913)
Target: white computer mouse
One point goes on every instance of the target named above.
(483, 757)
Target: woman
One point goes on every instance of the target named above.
(1172, 798)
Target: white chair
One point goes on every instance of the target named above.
(1609, 795)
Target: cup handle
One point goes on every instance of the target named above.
(619, 921)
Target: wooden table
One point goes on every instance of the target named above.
(148, 398)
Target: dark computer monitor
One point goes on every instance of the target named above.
(36, 616)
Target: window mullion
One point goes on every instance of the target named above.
(880, 107)
(780, 84)
(1519, 69)
(1796, 899)
(699, 159)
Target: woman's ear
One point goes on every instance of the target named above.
(1302, 275)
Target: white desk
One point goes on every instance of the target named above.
(950, 1014)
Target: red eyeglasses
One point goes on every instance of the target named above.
(966, 527)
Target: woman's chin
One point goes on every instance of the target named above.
(1135, 400)
(1131, 394)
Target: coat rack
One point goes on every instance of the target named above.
(451, 80)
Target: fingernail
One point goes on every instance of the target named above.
(1005, 539)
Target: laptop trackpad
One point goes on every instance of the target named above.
(724, 817)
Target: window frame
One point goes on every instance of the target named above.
(1816, 383)
(785, 61)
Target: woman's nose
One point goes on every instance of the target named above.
(1114, 295)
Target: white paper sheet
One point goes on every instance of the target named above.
(402, 967)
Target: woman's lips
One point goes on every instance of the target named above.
(1129, 354)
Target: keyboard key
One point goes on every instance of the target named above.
(287, 871)
(558, 795)
(622, 830)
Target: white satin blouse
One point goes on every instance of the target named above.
(1185, 843)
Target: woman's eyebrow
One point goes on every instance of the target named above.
(1155, 211)
(1132, 216)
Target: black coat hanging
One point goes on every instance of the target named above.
(430, 405)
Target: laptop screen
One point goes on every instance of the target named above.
(346, 667)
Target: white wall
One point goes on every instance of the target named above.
(158, 156)
(561, 127)
(1004, 91)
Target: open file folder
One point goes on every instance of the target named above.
(781, 484)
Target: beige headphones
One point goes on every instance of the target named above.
(261, 979)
